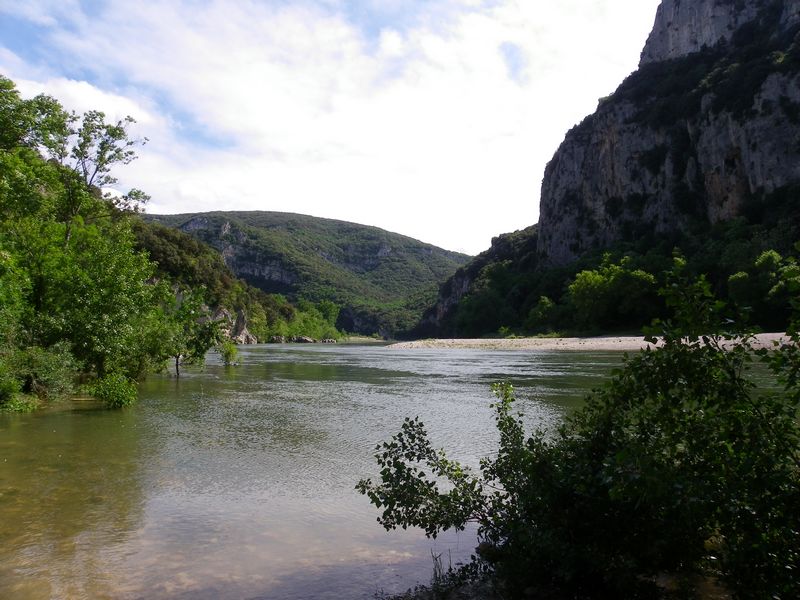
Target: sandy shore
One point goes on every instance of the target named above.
(621, 343)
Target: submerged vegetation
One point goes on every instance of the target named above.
(679, 469)
(90, 293)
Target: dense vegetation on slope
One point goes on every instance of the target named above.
(79, 298)
(382, 280)
(188, 262)
(507, 291)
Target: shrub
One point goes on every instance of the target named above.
(228, 351)
(679, 466)
(9, 384)
(47, 373)
(115, 390)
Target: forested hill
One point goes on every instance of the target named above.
(382, 280)
(696, 150)
(91, 294)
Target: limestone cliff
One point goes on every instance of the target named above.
(683, 27)
(707, 129)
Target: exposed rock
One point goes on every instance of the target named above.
(685, 26)
(647, 164)
(302, 339)
(240, 334)
(707, 129)
(277, 339)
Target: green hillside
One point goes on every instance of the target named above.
(382, 280)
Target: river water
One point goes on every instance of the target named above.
(237, 482)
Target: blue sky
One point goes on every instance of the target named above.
(431, 118)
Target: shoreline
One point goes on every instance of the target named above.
(599, 343)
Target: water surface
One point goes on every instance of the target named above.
(237, 482)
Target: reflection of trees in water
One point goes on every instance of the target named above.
(70, 488)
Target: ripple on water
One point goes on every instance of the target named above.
(238, 482)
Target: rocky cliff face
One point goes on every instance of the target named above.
(686, 26)
(264, 271)
(707, 129)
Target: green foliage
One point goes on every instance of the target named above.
(47, 373)
(542, 316)
(94, 292)
(612, 296)
(763, 288)
(33, 374)
(76, 297)
(189, 263)
(192, 263)
(680, 466)
(188, 332)
(10, 385)
(726, 250)
(374, 275)
(116, 390)
(228, 351)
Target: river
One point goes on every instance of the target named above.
(237, 482)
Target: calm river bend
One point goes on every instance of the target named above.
(237, 482)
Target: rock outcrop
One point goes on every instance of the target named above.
(707, 129)
(683, 27)
(240, 333)
(234, 328)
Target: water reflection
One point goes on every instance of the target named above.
(70, 488)
(238, 482)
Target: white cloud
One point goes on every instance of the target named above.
(82, 96)
(422, 130)
(42, 12)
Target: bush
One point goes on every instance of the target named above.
(9, 384)
(612, 296)
(115, 390)
(47, 373)
(678, 466)
(228, 351)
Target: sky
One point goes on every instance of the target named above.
(434, 118)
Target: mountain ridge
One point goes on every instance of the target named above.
(380, 278)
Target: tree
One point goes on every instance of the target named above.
(679, 465)
(93, 294)
(189, 333)
(612, 296)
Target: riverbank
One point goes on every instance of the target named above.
(601, 343)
